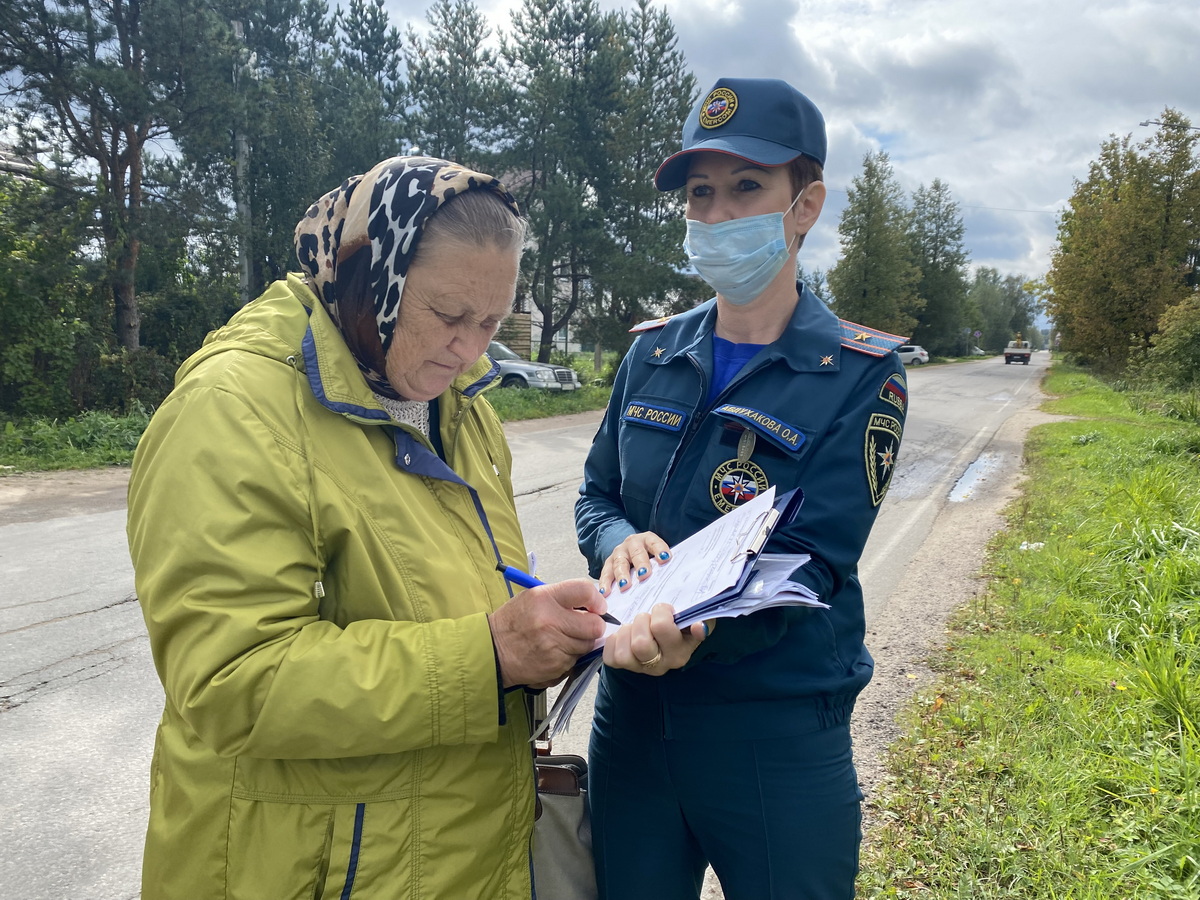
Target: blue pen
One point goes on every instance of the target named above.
(525, 580)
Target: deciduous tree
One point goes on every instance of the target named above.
(1127, 244)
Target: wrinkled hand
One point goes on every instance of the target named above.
(542, 631)
(652, 643)
(631, 559)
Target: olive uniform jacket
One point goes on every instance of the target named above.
(315, 581)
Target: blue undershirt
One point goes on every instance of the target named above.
(728, 359)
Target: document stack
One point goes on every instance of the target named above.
(718, 572)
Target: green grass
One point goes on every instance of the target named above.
(95, 439)
(512, 404)
(1059, 754)
(89, 440)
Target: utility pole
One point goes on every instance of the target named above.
(241, 146)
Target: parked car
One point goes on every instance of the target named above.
(516, 372)
(975, 351)
(913, 354)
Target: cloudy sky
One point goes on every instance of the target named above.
(1006, 102)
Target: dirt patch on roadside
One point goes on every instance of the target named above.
(37, 496)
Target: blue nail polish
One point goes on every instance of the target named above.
(623, 582)
(641, 571)
(664, 556)
(602, 590)
(705, 624)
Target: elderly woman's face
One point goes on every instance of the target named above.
(453, 302)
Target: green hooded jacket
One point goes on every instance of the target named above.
(315, 582)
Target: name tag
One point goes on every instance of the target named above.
(787, 436)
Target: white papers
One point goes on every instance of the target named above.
(716, 573)
(701, 567)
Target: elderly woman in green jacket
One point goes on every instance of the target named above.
(316, 517)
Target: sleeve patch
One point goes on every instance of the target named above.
(882, 441)
(895, 392)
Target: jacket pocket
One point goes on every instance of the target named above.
(289, 850)
(650, 432)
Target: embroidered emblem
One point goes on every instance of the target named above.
(658, 351)
(736, 482)
(787, 436)
(719, 107)
(658, 416)
(895, 392)
(882, 440)
(827, 360)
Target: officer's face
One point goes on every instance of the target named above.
(722, 187)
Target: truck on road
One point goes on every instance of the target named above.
(1017, 351)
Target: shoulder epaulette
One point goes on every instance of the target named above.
(871, 341)
(651, 324)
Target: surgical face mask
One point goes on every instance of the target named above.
(740, 257)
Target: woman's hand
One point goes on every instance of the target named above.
(542, 631)
(631, 559)
(652, 643)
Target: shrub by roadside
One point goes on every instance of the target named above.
(1059, 755)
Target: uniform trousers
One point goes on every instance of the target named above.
(778, 817)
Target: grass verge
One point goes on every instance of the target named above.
(95, 439)
(1059, 754)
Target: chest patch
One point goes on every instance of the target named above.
(658, 416)
(882, 440)
(787, 436)
(895, 392)
(736, 482)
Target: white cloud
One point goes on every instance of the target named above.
(1005, 102)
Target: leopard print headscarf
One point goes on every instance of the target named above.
(356, 245)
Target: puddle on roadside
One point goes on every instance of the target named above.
(976, 472)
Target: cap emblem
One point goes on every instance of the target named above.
(719, 107)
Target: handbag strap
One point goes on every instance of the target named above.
(535, 705)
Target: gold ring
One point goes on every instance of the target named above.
(651, 663)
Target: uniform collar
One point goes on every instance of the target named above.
(812, 341)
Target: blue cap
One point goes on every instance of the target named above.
(763, 120)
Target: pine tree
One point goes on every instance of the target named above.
(937, 233)
(454, 86)
(874, 282)
(563, 60)
(638, 271)
(362, 105)
(84, 76)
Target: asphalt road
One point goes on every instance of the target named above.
(79, 699)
